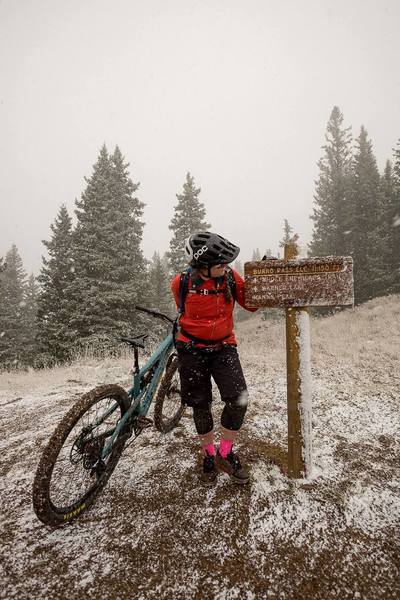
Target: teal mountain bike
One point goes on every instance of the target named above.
(87, 444)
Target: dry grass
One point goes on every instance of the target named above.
(365, 338)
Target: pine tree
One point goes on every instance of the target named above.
(110, 270)
(189, 217)
(332, 205)
(238, 266)
(55, 278)
(394, 225)
(396, 165)
(160, 295)
(12, 327)
(29, 320)
(256, 255)
(287, 233)
(165, 262)
(364, 236)
(384, 229)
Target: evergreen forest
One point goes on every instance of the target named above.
(94, 273)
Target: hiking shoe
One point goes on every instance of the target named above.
(231, 465)
(208, 476)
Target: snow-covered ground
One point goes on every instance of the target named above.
(156, 533)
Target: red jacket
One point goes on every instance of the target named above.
(209, 317)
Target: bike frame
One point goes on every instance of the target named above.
(141, 396)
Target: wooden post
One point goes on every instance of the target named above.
(298, 384)
(295, 283)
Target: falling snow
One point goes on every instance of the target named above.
(156, 533)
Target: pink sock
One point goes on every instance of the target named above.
(225, 446)
(209, 450)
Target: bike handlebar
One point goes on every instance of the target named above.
(154, 313)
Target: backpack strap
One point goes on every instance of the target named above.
(183, 289)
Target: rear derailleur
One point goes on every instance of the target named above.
(135, 426)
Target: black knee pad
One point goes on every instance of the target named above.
(234, 410)
(203, 419)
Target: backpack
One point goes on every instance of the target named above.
(184, 288)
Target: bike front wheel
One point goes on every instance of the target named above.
(168, 408)
(72, 471)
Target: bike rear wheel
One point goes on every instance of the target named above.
(168, 408)
(71, 471)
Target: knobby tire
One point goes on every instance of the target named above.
(168, 409)
(96, 478)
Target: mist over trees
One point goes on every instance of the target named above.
(287, 233)
(109, 267)
(160, 297)
(57, 273)
(363, 226)
(17, 308)
(332, 208)
(189, 217)
(95, 273)
(392, 203)
(357, 210)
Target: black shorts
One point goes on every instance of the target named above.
(198, 365)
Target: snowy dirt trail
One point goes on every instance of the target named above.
(154, 532)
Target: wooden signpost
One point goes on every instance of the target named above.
(295, 283)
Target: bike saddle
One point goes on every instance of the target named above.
(136, 342)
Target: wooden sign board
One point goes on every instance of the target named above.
(326, 281)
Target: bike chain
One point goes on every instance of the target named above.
(143, 423)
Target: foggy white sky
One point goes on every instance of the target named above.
(237, 92)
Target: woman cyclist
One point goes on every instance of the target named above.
(205, 295)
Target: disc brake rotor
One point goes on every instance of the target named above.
(87, 450)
